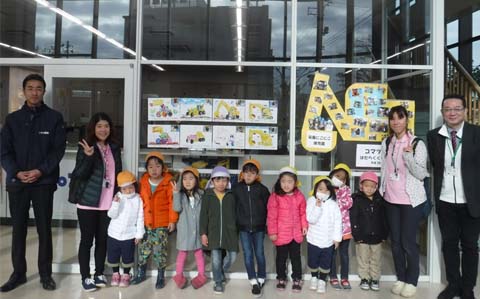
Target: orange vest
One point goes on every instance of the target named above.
(158, 207)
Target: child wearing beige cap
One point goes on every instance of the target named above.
(125, 229)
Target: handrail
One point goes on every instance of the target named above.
(463, 71)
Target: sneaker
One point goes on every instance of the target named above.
(409, 290)
(374, 285)
(100, 280)
(313, 283)
(297, 285)
(261, 282)
(345, 284)
(397, 287)
(365, 284)
(115, 279)
(335, 284)
(322, 286)
(256, 290)
(88, 285)
(218, 288)
(124, 281)
(281, 285)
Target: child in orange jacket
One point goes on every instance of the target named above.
(159, 217)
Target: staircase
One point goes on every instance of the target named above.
(459, 81)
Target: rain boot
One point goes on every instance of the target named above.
(141, 274)
(160, 279)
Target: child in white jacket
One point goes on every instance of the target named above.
(126, 228)
(324, 231)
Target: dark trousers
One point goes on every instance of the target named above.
(403, 221)
(457, 226)
(41, 198)
(344, 260)
(93, 225)
(292, 251)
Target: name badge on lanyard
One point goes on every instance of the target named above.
(450, 170)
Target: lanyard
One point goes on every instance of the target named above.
(395, 159)
(454, 154)
(104, 151)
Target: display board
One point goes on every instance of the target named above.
(364, 117)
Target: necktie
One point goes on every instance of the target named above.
(453, 135)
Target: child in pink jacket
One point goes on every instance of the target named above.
(287, 224)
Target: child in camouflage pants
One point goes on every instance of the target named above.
(156, 191)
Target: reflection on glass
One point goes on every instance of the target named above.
(254, 83)
(79, 99)
(68, 29)
(351, 31)
(217, 30)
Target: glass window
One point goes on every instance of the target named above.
(452, 32)
(217, 30)
(224, 91)
(402, 85)
(68, 29)
(476, 61)
(476, 23)
(79, 98)
(351, 31)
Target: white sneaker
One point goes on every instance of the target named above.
(398, 287)
(313, 283)
(409, 290)
(322, 286)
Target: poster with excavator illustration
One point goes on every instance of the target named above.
(261, 138)
(261, 111)
(228, 110)
(196, 136)
(228, 137)
(364, 117)
(163, 109)
(163, 136)
(196, 109)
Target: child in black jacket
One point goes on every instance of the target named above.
(369, 230)
(251, 198)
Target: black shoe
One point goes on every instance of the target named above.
(48, 283)
(14, 281)
(467, 294)
(160, 284)
(256, 290)
(449, 292)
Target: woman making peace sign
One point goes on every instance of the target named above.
(97, 165)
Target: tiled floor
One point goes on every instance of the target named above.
(65, 259)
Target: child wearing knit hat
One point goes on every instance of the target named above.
(251, 198)
(125, 229)
(369, 230)
(217, 225)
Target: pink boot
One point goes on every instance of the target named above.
(199, 281)
(180, 280)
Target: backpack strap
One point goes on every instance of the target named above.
(415, 143)
(387, 143)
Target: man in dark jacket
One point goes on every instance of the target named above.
(454, 150)
(32, 146)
